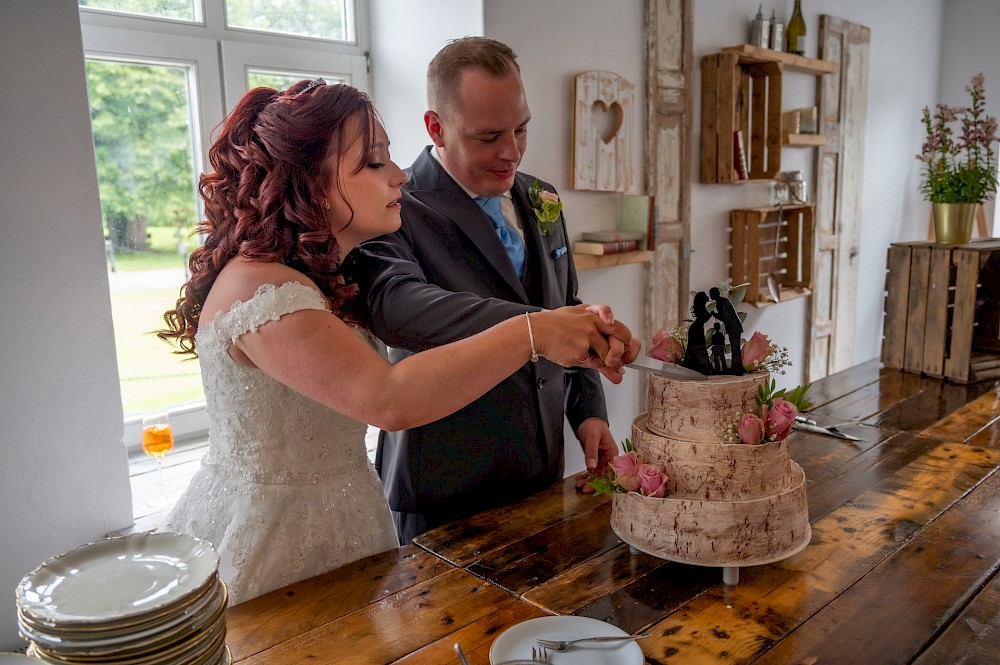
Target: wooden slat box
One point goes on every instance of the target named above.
(942, 310)
(740, 94)
(776, 241)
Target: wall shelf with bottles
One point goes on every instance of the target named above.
(741, 132)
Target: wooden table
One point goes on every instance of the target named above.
(902, 566)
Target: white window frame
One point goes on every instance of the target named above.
(220, 58)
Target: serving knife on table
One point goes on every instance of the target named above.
(807, 425)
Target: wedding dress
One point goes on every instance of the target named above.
(285, 491)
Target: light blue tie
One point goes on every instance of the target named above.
(510, 238)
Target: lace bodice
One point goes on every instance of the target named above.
(285, 490)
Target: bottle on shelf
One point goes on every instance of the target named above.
(795, 33)
(760, 29)
(777, 37)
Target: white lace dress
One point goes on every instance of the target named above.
(285, 490)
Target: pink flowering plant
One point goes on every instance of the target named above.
(962, 169)
(774, 420)
(628, 473)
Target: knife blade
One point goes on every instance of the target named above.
(819, 429)
(670, 370)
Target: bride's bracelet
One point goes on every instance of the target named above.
(531, 338)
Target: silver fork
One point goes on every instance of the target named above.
(562, 645)
(540, 654)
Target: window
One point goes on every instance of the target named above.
(160, 75)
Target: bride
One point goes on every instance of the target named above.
(286, 491)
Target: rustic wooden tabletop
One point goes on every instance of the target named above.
(901, 568)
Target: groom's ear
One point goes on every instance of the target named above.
(432, 121)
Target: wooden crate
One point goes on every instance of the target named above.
(740, 94)
(942, 310)
(776, 241)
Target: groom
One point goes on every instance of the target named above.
(469, 254)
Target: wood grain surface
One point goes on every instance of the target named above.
(901, 566)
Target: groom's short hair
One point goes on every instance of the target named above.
(446, 68)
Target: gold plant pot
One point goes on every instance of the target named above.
(953, 222)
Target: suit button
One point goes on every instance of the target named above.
(541, 382)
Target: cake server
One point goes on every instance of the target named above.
(807, 425)
(670, 370)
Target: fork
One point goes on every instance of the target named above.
(562, 645)
(540, 654)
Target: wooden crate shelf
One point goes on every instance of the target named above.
(772, 241)
(740, 94)
(942, 310)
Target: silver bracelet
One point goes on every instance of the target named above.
(531, 338)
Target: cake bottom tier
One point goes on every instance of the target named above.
(716, 533)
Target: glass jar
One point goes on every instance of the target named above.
(779, 193)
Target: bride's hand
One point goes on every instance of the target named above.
(585, 337)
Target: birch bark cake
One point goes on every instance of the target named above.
(731, 504)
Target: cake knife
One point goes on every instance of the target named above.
(806, 425)
(670, 370)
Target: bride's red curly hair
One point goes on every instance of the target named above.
(264, 200)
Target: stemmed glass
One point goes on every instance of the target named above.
(157, 441)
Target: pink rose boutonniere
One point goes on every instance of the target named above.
(546, 206)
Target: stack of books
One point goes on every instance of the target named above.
(614, 241)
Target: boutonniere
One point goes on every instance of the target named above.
(546, 206)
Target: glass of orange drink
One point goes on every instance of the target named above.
(157, 441)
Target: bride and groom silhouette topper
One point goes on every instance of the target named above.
(706, 353)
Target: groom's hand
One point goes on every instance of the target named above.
(599, 448)
(622, 349)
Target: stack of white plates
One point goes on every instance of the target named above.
(144, 599)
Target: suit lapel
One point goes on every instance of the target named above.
(433, 187)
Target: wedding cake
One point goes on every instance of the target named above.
(726, 504)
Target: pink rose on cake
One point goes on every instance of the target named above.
(778, 410)
(780, 418)
(666, 347)
(628, 473)
(652, 480)
(626, 470)
(751, 428)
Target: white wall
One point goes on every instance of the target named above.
(405, 36)
(64, 475)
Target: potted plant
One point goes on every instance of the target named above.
(959, 173)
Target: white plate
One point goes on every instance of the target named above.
(516, 642)
(16, 659)
(117, 578)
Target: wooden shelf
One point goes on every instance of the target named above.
(803, 140)
(790, 61)
(772, 241)
(589, 262)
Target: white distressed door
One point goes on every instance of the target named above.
(669, 157)
(842, 99)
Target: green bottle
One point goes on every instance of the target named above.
(795, 33)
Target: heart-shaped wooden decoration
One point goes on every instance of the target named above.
(607, 119)
(602, 132)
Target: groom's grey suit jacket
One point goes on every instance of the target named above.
(442, 277)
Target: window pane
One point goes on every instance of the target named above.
(282, 80)
(323, 19)
(143, 144)
(181, 10)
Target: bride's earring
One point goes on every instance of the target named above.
(326, 204)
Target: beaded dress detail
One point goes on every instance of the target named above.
(285, 491)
